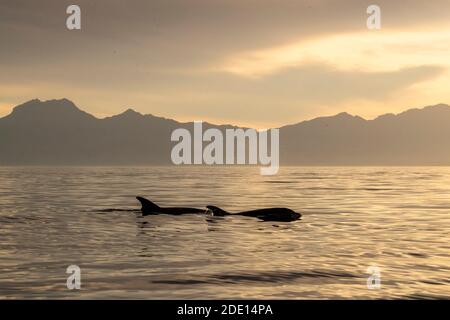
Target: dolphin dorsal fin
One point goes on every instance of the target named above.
(216, 211)
(147, 205)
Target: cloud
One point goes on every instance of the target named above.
(281, 97)
(184, 34)
(367, 51)
(251, 62)
(275, 99)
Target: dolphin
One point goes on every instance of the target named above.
(149, 208)
(267, 214)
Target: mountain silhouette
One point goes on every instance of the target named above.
(57, 132)
(414, 137)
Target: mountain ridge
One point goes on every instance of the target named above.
(64, 102)
(57, 132)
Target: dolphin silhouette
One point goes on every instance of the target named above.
(267, 214)
(149, 208)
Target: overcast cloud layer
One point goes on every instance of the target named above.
(260, 63)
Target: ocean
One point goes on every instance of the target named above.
(396, 220)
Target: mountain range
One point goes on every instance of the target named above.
(56, 132)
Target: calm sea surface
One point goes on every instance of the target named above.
(397, 219)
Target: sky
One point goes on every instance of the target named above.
(255, 63)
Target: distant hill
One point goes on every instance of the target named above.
(56, 132)
(414, 137)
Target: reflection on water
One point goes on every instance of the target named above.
(395, 218)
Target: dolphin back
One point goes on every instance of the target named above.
(216, 211)
(148, 206)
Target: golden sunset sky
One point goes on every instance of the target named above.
(255, 63)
